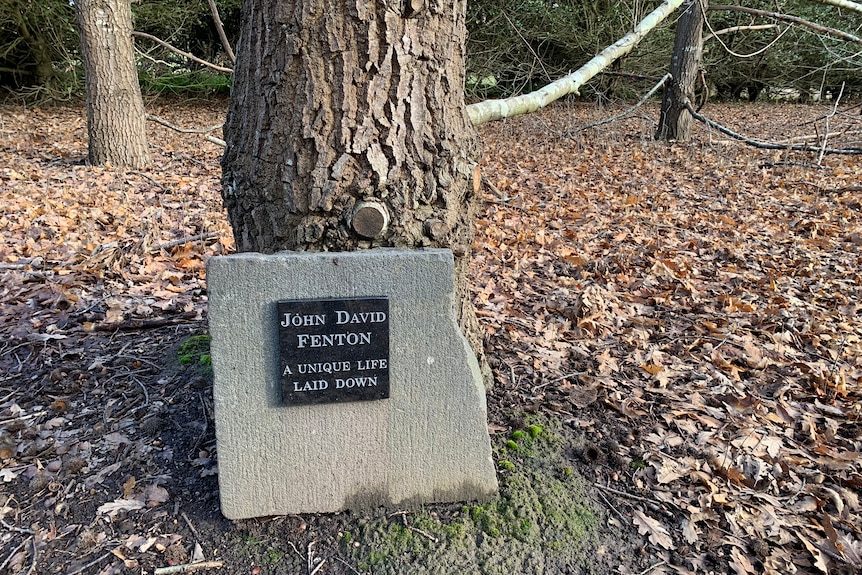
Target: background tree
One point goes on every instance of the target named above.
(116, 122)
(809, 47)
(36, 38)
(675, 120)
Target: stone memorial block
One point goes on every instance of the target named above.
(342, 382)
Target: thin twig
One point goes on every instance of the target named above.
(33, 558)
(180, 129)
(403, 515)
(318, 568)
(191, 527)
(220, 29)
(626, 112)
(295, 550)
(623, 493)
(181, 53)
(12, 554)
(188, 567)
(83, 568)
(826, 127)
(149, 178)
(652, 568)
(183, 241)
(424, 534)
(612, 508)
(346, 564)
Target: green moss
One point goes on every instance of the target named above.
(274, 556)
(518, 435)
(540, 522)
(261, 550)
(511, 445)
(195, 350)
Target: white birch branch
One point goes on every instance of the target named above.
(491, 110)
(854, 6)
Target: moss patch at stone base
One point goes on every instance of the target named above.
(541, 522)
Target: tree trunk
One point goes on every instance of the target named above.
(116, 121)
(347, 129)
(43, 69)
(675, 120)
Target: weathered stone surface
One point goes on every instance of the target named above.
(428, 442)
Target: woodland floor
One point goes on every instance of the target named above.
(690, 314)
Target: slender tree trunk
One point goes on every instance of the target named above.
(347, 129)
(39, 48)
(675, 120)
(116, 121)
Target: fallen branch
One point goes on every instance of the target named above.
(854, 6)
(188, 567)
(767, 145)
(625, 113)
(176, 128)
(192, 527)
(346, 564)
(425, 534)
(612, 508)
(788, 18)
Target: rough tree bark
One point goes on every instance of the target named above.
(116, 121)
(675, 120)
(347, 129)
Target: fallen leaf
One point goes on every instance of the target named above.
(114, 507)
(658, 534)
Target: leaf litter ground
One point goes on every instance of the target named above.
(688, 316)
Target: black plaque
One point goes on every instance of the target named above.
(333, 350)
